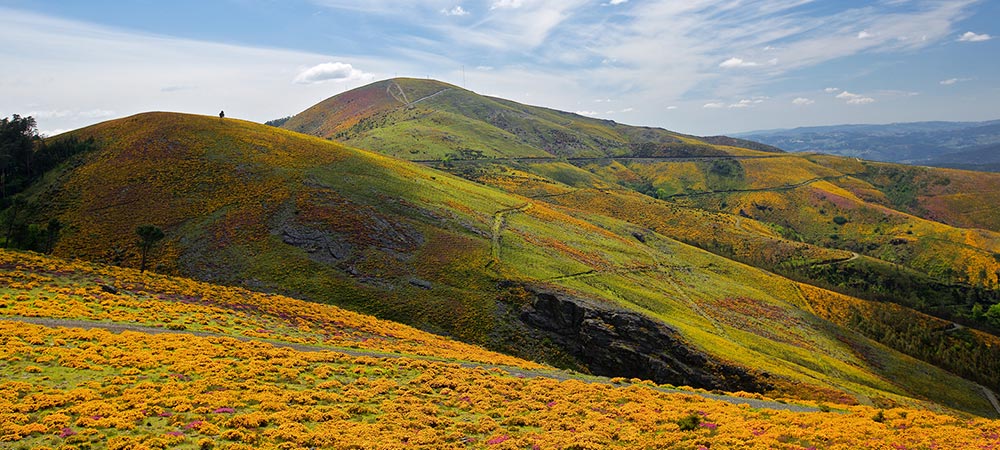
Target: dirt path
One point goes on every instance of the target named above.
(428, 96)
(499, 221)
(512, 371)
(991, 397)
(397, 93)
(854, 255)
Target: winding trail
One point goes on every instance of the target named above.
(854, 255)
(397, 93)
(428, 97)
(499, 221)
(512, 371)
(991, 397)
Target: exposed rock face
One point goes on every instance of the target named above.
(612, 342)
(322, 247)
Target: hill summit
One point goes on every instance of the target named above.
(425, 119)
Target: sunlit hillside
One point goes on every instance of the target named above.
(918, 237)
(96, 356)
(255, 206)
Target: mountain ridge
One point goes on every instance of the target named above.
(941, 144)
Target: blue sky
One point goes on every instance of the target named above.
(695, 66)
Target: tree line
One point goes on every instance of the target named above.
(24, 158)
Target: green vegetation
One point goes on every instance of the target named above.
(554, 201)
(149, 235)
(25, 157)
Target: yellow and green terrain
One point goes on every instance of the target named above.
(550, 239)
(96, 356)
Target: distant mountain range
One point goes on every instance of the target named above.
(963, 145)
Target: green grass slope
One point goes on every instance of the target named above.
(256, 206)
(922, 238)
(425, 119)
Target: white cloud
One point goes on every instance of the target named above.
(587, 113)
(617, 2)
(831, 90)
(802, 101)
(332, 71)
(75, 74)
(952, 81)
(95, 114)
(671, 108)
(628, 110)
(855, 99)
(973, 37)
(456, 11)
(736, 62)
(864, 34)
(713, 105)
(65, 113)
(506, 4)
(748, 102)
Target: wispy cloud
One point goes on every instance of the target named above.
(855, 99)
(457, 10)
(714, 53)
(802, 101)
(507, 4)
(951, 81)
(70, 74)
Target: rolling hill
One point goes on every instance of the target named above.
(919, 237)
(429, 120)
(558, 254)
(105, 357)
(886, 206)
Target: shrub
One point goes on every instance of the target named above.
(689, 422)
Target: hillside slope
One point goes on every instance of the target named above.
(130, 360)
(937, 222)
(429, 120)
(251, 205)
(922, 238)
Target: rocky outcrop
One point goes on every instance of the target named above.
(618, 343)
(321, 246)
